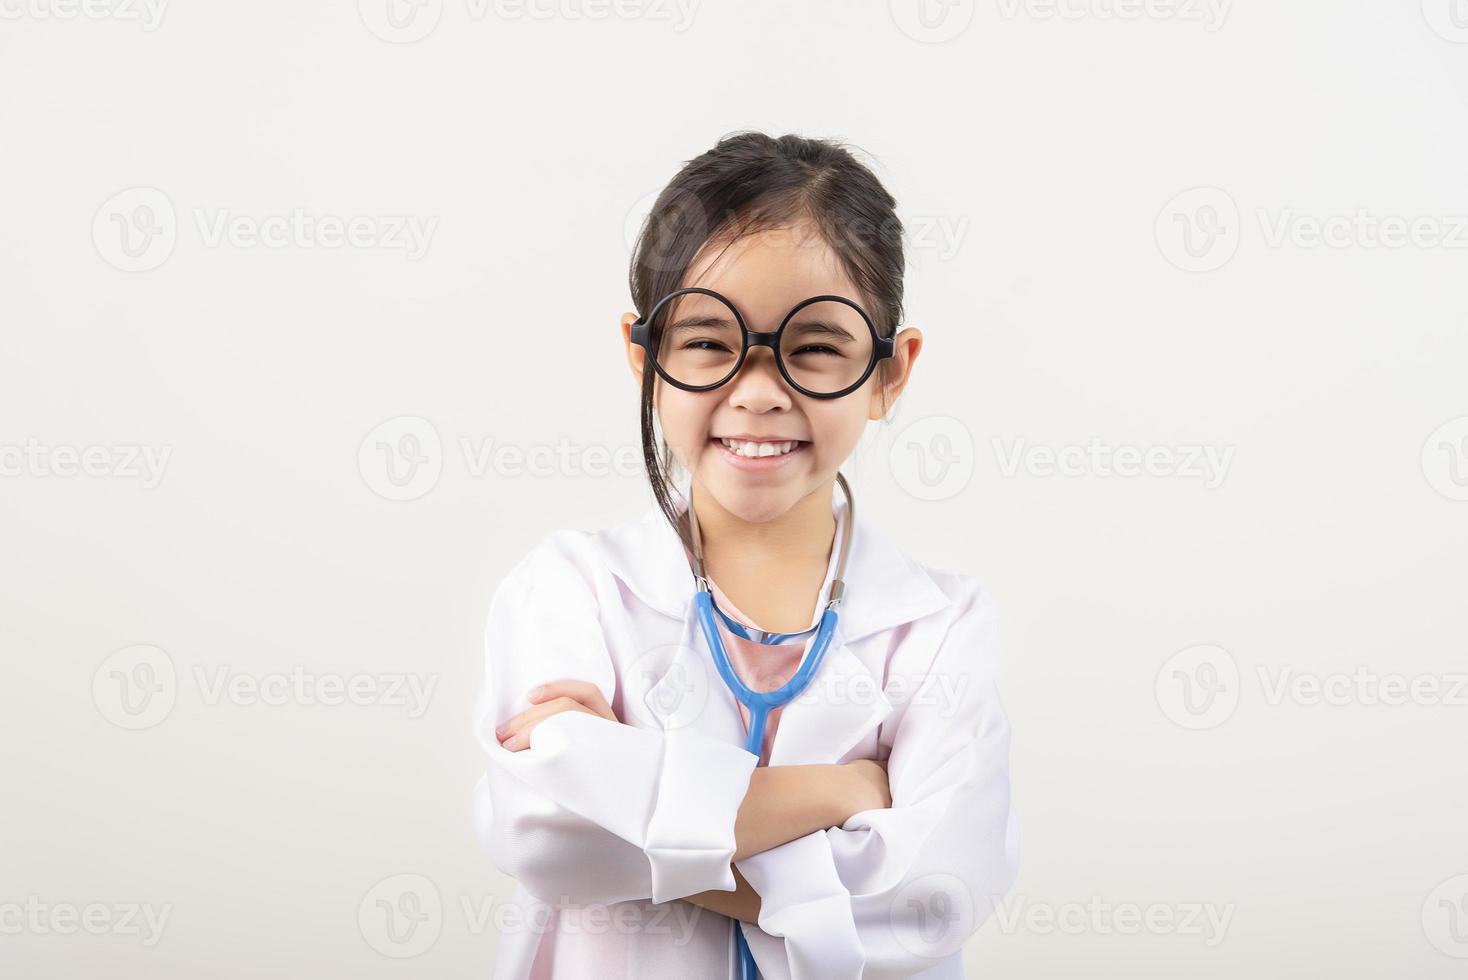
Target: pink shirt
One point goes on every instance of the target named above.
(762, 666)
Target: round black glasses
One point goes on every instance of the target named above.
(697, 340)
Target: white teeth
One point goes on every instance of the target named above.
(754, 450)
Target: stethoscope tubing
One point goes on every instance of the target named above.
(761, 703)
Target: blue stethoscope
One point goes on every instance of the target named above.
(760, 704)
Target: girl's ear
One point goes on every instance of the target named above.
(906, 346)
(636, 356)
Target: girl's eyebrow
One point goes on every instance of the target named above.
(696, 321)
(823, 328)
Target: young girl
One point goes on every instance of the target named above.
(874, 834)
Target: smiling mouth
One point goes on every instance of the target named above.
(772, 449)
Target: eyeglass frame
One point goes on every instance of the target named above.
(641, 334)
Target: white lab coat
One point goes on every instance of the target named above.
(605, 825)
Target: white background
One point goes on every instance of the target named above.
(1037, 153)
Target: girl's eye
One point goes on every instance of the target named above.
(819, 348)
(698, 345)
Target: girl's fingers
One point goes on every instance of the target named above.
(515, 733)
(540, 695)
(549, 699)
(583, 691)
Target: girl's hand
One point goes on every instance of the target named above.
(868, 787)
(550, 699)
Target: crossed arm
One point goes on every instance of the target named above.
(783, 803)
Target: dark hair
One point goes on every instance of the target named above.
(749, 182)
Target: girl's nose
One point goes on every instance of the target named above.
(759, 383)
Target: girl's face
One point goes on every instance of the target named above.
(765, 274)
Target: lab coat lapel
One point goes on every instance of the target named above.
(844, 702)
(686, 693)
(690, 696)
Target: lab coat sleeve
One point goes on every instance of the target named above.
(594, 811)
(891, 892)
